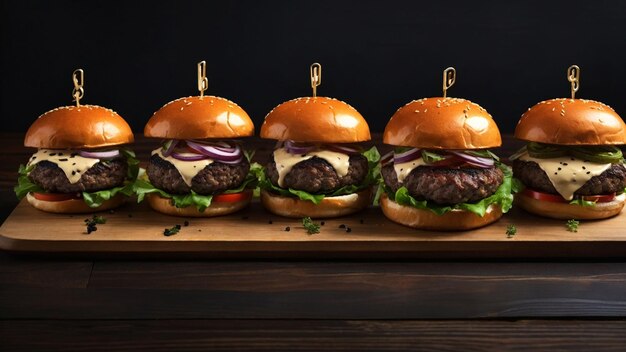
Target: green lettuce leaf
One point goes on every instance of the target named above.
(143, 186)
(502, 197)
(583, 203)
(430, 157)
(24, 185)
(372, 178)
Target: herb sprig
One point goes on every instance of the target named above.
(310, 226)
(572, 225)
(95, 220)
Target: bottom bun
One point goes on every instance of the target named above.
(567, 211)
(74, 206)
(427, 220)
(165, 206)
(329, 207)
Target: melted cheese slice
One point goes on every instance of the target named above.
(404, 169)
(72, 164)
(187, 169)
(567, 173)
(285, 161)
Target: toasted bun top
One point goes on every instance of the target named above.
(200, 117)
(571, 122)
(85, 126)
(442, 123)
(315, 119)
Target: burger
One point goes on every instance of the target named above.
(571, 167)
(200, 169)
(319, 168)
(441, 174)
(81, 164)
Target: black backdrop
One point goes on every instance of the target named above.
(376, 55)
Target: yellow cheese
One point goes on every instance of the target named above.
(404, 169)
(285, 161)
(567, 173)
(187, 169)
(72, 164)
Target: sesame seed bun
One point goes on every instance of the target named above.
(601, 210)
(442, 123)
(571, 122)
(74, 206)
(165, 206)
(329, 207)
(77, 127)
(315, 119)
(455, 220)
(199, 118)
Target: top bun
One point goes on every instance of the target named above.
(199, 118)
(315, 119)
(85, 126)
(571, 122)
(442, 123)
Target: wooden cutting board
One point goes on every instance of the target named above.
(249, 234)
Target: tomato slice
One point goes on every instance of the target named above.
(602, 198)
(55, 197)
(232, 197)
(558, 199)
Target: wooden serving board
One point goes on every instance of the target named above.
(249, 234)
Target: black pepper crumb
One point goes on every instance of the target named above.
(559, 169)
(588, 172)
(556, 173)
(287, 228)
(186, 223)
(322, 223)
(60, 154)
(64, 159)
(565, 164)
(53, 154)
(73, 164)
(573, 159)
(199, 230)
(73, 172)
(584, 168)
(342, 226)
(269, 221)
(348, 229)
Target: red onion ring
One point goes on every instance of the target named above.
(189, 156)
(169, 148)
(474, 160)
(292, 148)
(109, 154)
(217, 153)
(386, 159)
(407, 156)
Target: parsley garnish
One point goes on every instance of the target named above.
(572, 225)
(310, 226)
(95, 220)
(511, 230)
(172, 231)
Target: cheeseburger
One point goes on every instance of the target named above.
(80, 165)
(200, 169)
(317, 169)
(441, 174)
(571, 167)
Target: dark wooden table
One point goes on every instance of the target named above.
(106, 304)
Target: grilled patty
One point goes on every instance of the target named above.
(446, 185)
(103, 175)
(214, 178)
(613, 180)
(317, 176)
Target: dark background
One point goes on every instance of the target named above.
(376, 55)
